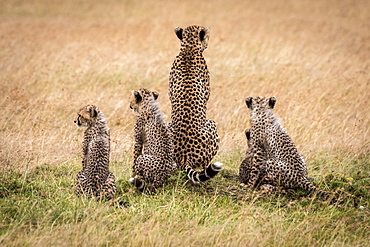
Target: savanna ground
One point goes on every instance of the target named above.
(57, 56)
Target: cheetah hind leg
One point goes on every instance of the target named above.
(212, 140)
(138, 171)
(158, 179)
(155, 180)
(254, 178)
(81, 183)
(109, 188)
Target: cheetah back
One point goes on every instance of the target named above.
(153, 155)
(95, 178)
(195, 138)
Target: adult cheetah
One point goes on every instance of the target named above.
(95, 179)
(195, 138)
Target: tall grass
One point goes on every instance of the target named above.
(58, 56)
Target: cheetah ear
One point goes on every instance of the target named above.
(204, 34)
(155, 95)
(248, 101)
(178, 31)
(92, 110)
(272, 102)
(138, 97)
(204, 37)
(248, 134)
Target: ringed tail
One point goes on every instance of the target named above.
(140, 184)
(206, 174)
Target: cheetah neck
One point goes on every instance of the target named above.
(186, 50)
(100, 126)
(263, 122)
(154, 111)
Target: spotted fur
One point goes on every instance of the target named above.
(153, 153)
(275, 158)
(246, 169)
(195, 137)
(95, 179)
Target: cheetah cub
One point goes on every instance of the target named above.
(95, 178)
(153, 152)
(276, 161)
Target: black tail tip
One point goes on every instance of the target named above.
(138, 183)
(213, 169)
(210, 172)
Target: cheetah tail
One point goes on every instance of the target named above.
(320, 194)
(204, 175)
(140, 184)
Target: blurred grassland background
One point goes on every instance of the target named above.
(57, 56)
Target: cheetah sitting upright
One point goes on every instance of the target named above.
(95, 179)
(195, 138)
(276, 161)
(153, 153)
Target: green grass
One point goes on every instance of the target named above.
(39, 208)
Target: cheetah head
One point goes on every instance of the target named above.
(140, 99)
(86, 116)
(260, 106)
(193, 37)
(260, 102)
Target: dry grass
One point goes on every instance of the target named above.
(56, 56)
